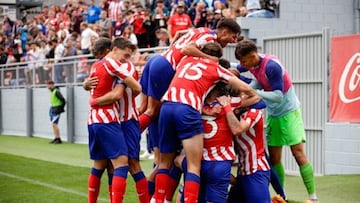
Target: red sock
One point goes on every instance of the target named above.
(172, 185)
(142, 191)
(110, 193)
(191, 191)
(161, 181)
(93, 188)
(144, 121)
(118, 189)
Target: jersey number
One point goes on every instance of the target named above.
(192, 71)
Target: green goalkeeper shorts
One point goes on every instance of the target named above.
(286, 130)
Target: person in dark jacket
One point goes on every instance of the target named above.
(57, 107)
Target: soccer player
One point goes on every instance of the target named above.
(106, 138)
(284, 122)
(253, 174)
(130, 126)
(180, 118)
(160, 69)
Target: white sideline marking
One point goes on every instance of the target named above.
(36, 182)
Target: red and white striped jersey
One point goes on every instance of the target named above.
(114, 10)
(251, 145)
(194, 78)
(107, 70)
(127, 104)
(218, 138)
(199, 36)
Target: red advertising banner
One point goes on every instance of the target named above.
(345, 79)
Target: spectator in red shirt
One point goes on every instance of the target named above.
(139, 30)
(179, 21)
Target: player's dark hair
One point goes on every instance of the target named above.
(213, 49)
(230, 24)
(224, 63)
(101, 47)
(123, 43)
(244, 47)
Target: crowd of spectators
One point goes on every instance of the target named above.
(45, 38)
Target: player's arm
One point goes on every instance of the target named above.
(242, 86)
(133, 84)
(274, 74)
(236, 126)
(110, 97)
(191, 49)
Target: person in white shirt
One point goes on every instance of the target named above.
(86, 34)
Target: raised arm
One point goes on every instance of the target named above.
(236, 126)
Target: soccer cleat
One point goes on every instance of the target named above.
(312, 201)
(57, 141)
(278, 199)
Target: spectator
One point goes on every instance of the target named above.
(3, 55)
(179, 21)
(105, 23)
(149, 25)
(69, 65)
(160, 15)
(120, 25)
(41, 65)
(58, 67)
(114, 11)
(217, 17)
(198, 14)
(137, 22)
(129, 34)
(57, 102)
(63, 31)
(163, 36)
(86, 34)
(93, 12)
(32, 58)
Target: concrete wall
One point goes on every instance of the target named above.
(342, 148)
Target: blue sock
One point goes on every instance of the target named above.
(151, 186)
(121, 171)
(175, 172)
(192, 177)
(110, 177)
(138, 176)
(96, 172)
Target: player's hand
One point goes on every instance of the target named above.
(224, 100)
(90, 83)
(214, 58)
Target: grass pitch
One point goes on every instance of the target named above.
(31, 170)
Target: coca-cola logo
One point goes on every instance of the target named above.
(349, 85)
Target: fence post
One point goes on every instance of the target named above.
(29, 112)
(70, 106)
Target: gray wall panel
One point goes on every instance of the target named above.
(14, 111)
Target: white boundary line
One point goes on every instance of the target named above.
(55, 187)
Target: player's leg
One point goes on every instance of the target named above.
(296, 139)
(132, 135)
(193, 148)
(94, 179)
(99, 164)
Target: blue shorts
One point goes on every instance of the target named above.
(154, 134)
(215, 180)
(177, 122)
(251, 188)
(132, 133)
(54, 118)
(156, 77)
(106, 141)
